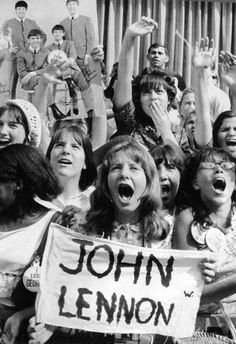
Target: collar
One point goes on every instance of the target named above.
(75, 16)
(31, 49)
(59, 42)
(20, 19)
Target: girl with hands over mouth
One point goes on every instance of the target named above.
(141, 107)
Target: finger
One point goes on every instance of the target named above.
(211, 47)
(202, 44)
(206, 44)
(229, 58)
(196, 48)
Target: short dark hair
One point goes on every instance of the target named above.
(157, 45)
(67, 1)
(21, 4)
(58, 27)
(21, 163)
(35, 32)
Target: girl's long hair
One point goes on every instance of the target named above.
(188, 196)
(101, 215)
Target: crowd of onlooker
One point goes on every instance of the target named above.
(157, 169)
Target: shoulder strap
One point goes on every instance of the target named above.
(56, 217)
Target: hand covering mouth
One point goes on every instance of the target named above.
(125, 191)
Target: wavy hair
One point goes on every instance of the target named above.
(101, 215)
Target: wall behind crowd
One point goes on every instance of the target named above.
(180, 24)
(47, 13)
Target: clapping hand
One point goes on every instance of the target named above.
(228, 69)
(204, 54)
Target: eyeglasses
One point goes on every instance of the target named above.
(208, 165)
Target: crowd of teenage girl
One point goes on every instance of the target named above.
(145, 186)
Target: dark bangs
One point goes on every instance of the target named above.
(168, 155)
(155, 80)
(212, 154)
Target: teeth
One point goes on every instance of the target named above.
(165, 188)
(231, 142)
(62, 161)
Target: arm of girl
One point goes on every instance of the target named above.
(13, 323)
(202, 60)
(182, 239)
(123, 88)
(214, 292)
(228, 75)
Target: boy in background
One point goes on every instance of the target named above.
(31, 63)
(75, 78)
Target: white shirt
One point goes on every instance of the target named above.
(80, 200)
(17, 248)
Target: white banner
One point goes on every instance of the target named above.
(100, 285)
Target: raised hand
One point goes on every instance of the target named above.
(203, 54)
(142, 27)
(228, 69)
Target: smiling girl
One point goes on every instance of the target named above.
(20, 122)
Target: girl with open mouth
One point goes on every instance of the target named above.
(208, 220)
(127, 197)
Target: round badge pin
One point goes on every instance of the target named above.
(215, 239)
(57, 56)
(198, 233)
(31, 278)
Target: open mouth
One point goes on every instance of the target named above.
(165, 190)
(219, 184)
(65, 162)
(125, 192)
(231, 142)
(4, 143)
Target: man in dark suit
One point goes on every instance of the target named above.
(20, 28)
(79, 29)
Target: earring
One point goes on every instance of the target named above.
(195, 185)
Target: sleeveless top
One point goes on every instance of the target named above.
(17, 248)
